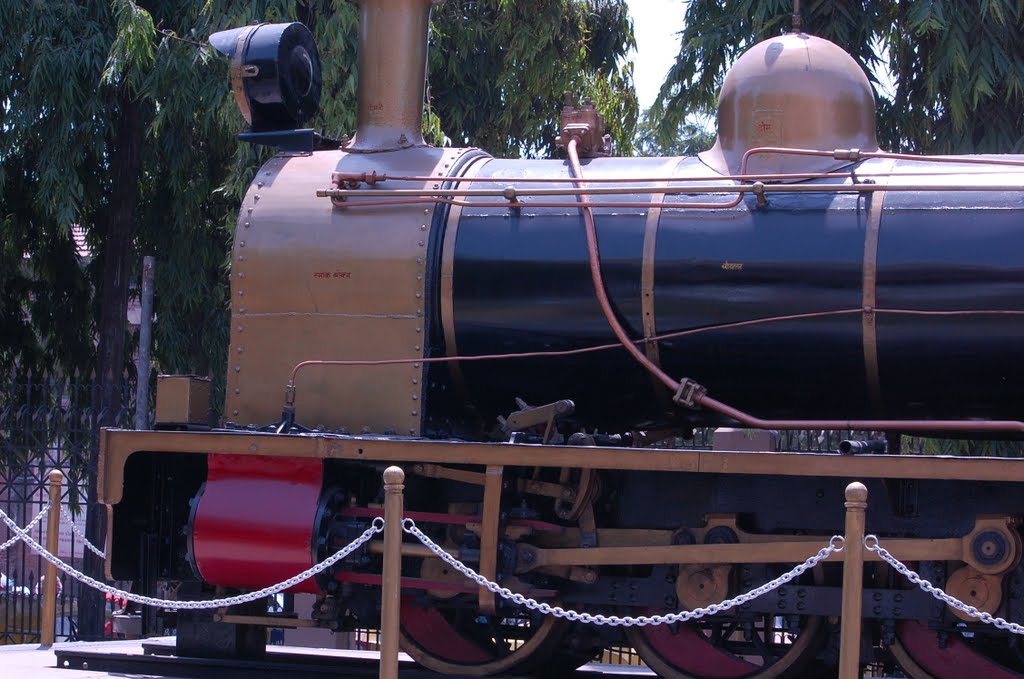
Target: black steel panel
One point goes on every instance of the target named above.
(942, 250)
(522, 284)
(802, 253)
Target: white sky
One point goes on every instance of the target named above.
(657, 24)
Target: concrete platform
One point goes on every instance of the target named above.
(30, 661)
(145, 658)
(153, 658)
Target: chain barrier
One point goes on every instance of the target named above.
(835, 544)
(30, 526)
(376, 526)
(871, 544)
(81, 536)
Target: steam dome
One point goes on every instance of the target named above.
(794, 91)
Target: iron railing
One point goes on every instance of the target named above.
(44, 425)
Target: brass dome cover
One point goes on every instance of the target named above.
(794, 91)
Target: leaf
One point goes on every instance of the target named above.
(132, 50)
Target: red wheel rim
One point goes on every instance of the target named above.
(689, 649)
(956, 660)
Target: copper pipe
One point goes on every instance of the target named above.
(423, 195)
(552, 354)
(342, 363)
(964, 312)
(594, 257)
(747, 420)
(375, 178)
(961, 160)
(512, 194)
(781, 150)
(961, 426)
(854, 155)
(516, 205)
(443, 359)
(782, 176)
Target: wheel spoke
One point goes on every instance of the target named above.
(454, 638)
(719, 649)
(760, 641)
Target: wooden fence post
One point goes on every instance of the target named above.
(390, 594)
(853, 581)
(48, 620)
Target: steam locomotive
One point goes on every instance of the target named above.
(531, 340)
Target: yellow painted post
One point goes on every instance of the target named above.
(394, 484)
(853, 581)
(49, 601)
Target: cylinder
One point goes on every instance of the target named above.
(521, 283)
(252, 522)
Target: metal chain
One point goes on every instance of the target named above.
(376, 526)
(834, 545)
(74, 529)
(871, 543)
(30, 526)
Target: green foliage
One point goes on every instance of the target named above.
(957, 67)
(689, 139)
(51, 164)
(499, 70)
(132, 49)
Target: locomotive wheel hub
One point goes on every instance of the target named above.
(437, 570)
(982, 591)
(993, 547)
(698, 585)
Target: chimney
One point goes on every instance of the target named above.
(392, 74)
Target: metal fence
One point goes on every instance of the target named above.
(44, 425)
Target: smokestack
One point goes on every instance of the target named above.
(392, 73)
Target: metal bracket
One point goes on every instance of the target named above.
(582, 122)
(531, 416)
(353, 180)
(689, 394)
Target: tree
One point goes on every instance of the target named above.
(689, 139)
(499, 70)
(957, 68)
(51, 154)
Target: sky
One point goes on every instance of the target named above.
(656, 24)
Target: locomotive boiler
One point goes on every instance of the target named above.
(532, 339)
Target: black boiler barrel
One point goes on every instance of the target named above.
(520, 282)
